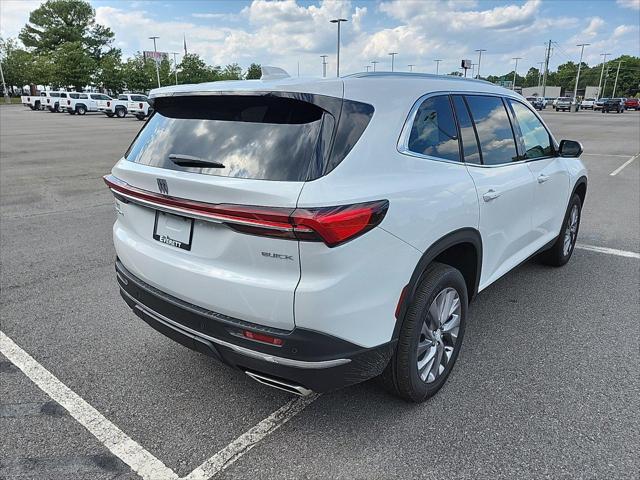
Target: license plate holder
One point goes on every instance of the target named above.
(173, 230)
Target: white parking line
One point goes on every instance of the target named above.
(619, 169)
(609, 251)
(133, 454)
(129, 451)
(250, 438)
(604, 155)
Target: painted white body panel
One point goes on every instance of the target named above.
(350, 291)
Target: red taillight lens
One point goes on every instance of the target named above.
(140, 104)
(48, 100)
(108, 104)
(331, 225)
(261, 337)
(68, 102)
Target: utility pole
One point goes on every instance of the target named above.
(473, 69)
(367, 67)
(575, 89)
(374, 64)
(4, 85)
(604, 61)
(480, 50)
(393, 55)
(606, 77)
(175, 65)
(437, 65)
(515, 72)
(546, 70)
(324, 65)
(411, 65)
(155, 58)
(540, 73)
(615, 84)
(338, 21)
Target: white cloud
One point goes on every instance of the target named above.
(594, 26)
(14, 14)
(634, 4)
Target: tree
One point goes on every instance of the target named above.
(253, 72)
(73, 65)
(232, 72)
(194, 70)
(110, 73)
(16, 63)
(57, 22)
(456, 74)
(139, 74)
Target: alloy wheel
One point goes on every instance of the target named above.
(439, 334)
(571, 230)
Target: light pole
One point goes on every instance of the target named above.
(374, 62)
(604, 61)
(338, 21)
(411, 65)
(473, 69)
(175, 65)
(324, 65)
(437, 60)
(575, 89)
(393, 55)
(615, 84)
(515, 72)
(480, 50)
(4, 85)
(540, 72)
(367, 67)
(155, 58)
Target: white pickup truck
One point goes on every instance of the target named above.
(140, 107)
(35, 102)
(85, 102)
(126, 103)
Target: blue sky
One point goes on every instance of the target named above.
(291, 32)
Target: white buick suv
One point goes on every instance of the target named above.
(318, 233)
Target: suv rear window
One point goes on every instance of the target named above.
(264, 137)
(138, 98)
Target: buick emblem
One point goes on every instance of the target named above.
(162, 186)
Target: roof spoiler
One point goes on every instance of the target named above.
(273, 73)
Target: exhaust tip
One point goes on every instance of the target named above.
(280, 384)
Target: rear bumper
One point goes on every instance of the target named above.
(310, 359)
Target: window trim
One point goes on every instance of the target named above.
(520, 138)
(403, 139)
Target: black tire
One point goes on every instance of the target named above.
(70, 112)
(81, 109)
(121, 112)
(401, 375)
(556, 255)
(140, 116)
(110, 114)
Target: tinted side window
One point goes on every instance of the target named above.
(138, 98)
(82, 95)
(534, 136)
(433, 131)
(122, 97)
(467, 133)
(494, 129)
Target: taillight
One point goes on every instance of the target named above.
(331, 225)
(261, 337)
(140, 104)
(108, 104)
(48, 100)
(68, 102)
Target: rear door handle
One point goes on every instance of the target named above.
(491, 195)
(542, 178)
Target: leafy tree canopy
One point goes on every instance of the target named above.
(254, 72)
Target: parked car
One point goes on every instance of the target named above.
(563, 104)
(613, 105)
(34, 102)
(587, 104)
(554, 102)
(599, 103)
(85, 102)
(536, 102)
(632, 104)
(127, 102)
(140, 107)
(50, 100)
(65, 102)
(282, 227)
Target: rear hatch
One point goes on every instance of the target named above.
(204, 196)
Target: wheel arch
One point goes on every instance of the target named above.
(580, 189)
(461, 249)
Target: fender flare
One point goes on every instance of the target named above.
(581, 181)
(457, 237)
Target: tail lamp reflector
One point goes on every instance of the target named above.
(331, 225)
(261, 337)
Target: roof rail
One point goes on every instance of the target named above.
(415, 75)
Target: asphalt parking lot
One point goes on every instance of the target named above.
(546, 385)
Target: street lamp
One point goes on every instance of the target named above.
(374, 62)
(367, 67)
(393, 55)
(155, 58)
(338, 21)
(540, 72)
(324, 65)
(575, 89)
(480, 50)
(411, 65)
(604, 62)
(515, 72)
(437, 65)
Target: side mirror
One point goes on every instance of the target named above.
(570, 148)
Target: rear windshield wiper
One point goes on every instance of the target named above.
(190, 161)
